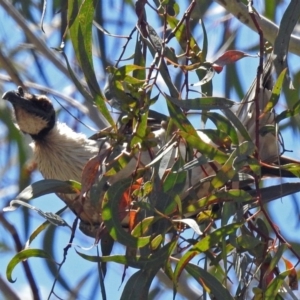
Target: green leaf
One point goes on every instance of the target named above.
(41, 228)
(107, 243)
(162, 154)
(175, 180)
(139, 60)
(247, 241)
(111, 216)
(237, 124)
(142, 227)
(275, 285)
(205, 41)
(139, 283)
(278, 255)
(122, 72)
(212, 285)
(47, 186)
(178, 117)
(139, 132)
(289, 112)
(223, 124)
(204, 103)
(163, 70)
(199, 161)
(157, 259)
(237, 159)
(80, 22)
(205, 149)
(276, 91)
(294, 168)
(14, 135)
(205, 244)
(274, 192)
(118, 164)
(80, 17)
(180, 33)
(23, 255)
(233, 195)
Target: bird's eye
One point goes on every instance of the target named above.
(44, 105)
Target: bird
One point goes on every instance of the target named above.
(61, 153)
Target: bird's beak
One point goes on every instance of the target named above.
(17, 99)
(27, 102)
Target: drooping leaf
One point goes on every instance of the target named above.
(22, 255)
(111, 213)
(205, 244)
(274, 287)
(80, 22)
(212, 285)
(230, 57)
(47, 186)
(247, 241)
(139, 283)
(234, 195)
(275, 259)
(289, 112)
(140, 130)
(230, 168)
(205, 149)
(223, 124)
(204, 103)
(180, 33)
(155, 260)
(237, 124)
(276, 91)
(175, 180)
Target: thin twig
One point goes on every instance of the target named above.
(66, 249)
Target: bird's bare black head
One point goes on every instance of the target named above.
(35, 114)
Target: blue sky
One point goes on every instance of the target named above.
(76, 267)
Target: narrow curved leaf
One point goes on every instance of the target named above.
(273, 288)
(237, 159)
(274, 192)
(223, 124)
(212, 284)
(205, 244)
(41, 228)
(276, 91)
(205, 149)
(204, 103)
(237, 124)
(180, 32)
(44, 187)
(289, 112)
(139, 283)
(22, 255)
(230, 57)
(80, 22)
(111, 215)
(138, 262)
